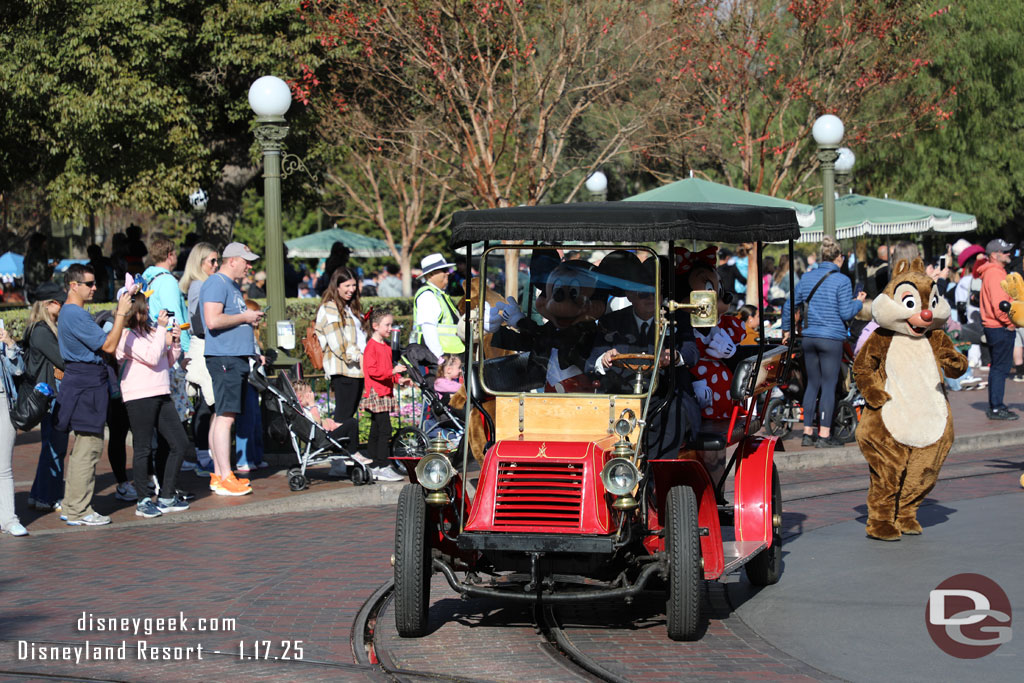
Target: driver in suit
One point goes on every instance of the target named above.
(676, 415)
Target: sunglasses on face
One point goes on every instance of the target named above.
(214, 260)
(88, 283)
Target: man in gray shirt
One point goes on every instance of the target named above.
(230, 343)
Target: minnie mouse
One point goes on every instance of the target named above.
(712, 383)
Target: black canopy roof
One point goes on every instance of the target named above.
(627, 222)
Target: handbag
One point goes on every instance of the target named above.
(312, 346)
(32, 404)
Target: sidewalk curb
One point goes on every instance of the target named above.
(370, 495)
(850, 455)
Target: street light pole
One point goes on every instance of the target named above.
(270, 98)
(828, 133)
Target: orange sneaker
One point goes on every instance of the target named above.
(229, 486)
(214, 482)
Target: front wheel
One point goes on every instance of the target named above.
(412, 564)
(765, 568)
(408, 442)
(682, 546)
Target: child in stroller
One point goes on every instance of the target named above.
(289, 421)
(436, 417)
(784, 409)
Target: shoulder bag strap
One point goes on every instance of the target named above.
(807, 301)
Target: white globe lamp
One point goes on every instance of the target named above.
(270, 96)
(597, 182)
(846, 160)
(828, 131)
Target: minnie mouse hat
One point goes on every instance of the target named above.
(434, 262)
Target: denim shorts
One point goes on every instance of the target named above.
(230, 374)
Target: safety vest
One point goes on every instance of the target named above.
(447, 330)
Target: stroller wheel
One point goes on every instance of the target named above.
(777, 417)
(844, 423)
(359, 475)
(408, 442)
(297, 481)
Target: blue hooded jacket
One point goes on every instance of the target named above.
(830, 307)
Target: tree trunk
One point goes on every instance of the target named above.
(753, 276)
(405, 264)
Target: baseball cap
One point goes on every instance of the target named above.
(240, 250)
(998, 245)
(50, 291)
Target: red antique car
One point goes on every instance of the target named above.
(576, 498)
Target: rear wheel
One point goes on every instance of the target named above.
(778, 417)
(682, 546)
(408, 442)
(766, 567)
(412, 564)
(844, 424)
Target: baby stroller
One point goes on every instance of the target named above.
(784, 410)
(288, 422)
(436, 417)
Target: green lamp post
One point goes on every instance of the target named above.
(828, 133)
(270, 99)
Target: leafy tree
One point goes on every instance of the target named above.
(973, 162)
(119, 102)
(748, 78)
(502, 88)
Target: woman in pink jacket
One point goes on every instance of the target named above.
(147, 354)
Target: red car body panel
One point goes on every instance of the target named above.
(543, 487)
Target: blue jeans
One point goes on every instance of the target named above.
(1000, 344)
(48, 486)
(249, 431)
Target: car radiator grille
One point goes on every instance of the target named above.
(547, 494)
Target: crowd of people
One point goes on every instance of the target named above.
(175, 354)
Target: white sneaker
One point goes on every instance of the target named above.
(126, 491)
(361, 459)
(386, 474)
(94, 519)
(16, 529)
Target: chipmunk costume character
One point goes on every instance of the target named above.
(906, 430)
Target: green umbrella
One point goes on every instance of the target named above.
(858, 215)
(318, 245)
(707, 192)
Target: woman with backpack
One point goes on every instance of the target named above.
(202, 263)
(830, 304)
(43, 363)
(339, 329)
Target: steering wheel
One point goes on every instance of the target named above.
(634, 362)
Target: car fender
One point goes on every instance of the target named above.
(753, 489)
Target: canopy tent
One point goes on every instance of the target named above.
(627, 222)
(707, 192)
(318, 245)
(12, 265)
(858, 215)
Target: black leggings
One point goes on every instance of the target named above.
(347, 393)
(117, 423)
(822, 358)
(146, 415)
(379, 445)
(348, 429)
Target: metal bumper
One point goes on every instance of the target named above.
(536, 543)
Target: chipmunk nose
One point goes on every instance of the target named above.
(926, 315)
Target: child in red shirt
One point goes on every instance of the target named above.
(380, 376)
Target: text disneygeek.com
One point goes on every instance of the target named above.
(142, 650)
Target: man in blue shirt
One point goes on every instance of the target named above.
(85, 390)
(230, 343)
